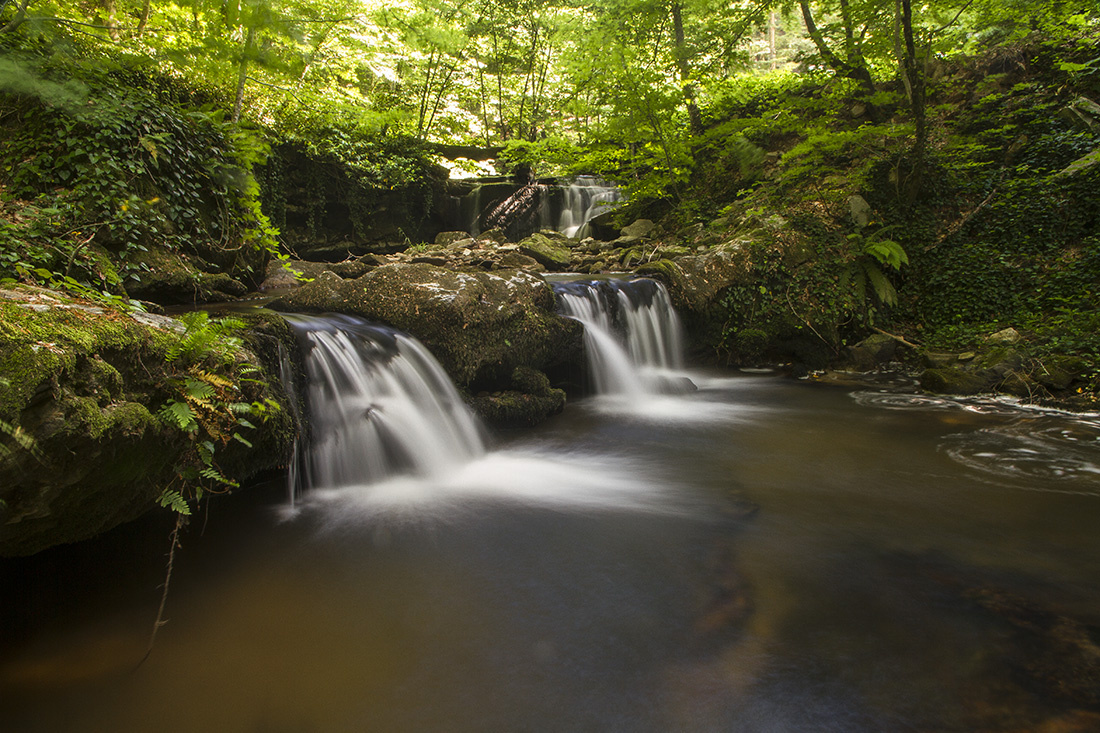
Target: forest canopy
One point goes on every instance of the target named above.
(561, 73)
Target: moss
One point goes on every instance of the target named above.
(547, 252)
(948, 380)
(85, 383)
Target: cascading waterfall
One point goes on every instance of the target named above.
(379, 406)
(633, 336)
(585, 198)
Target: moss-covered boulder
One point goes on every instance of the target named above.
(171, 278)
(953, 380)
(480, 325)
(81, 447)
(549, 251)
(530, 401)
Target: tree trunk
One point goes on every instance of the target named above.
(913, 73)
(854, 67)
(771, 40)
(683, 65)
(242, 73)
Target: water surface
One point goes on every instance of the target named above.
(604, 572)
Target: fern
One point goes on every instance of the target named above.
(178, 415)
(174, 500)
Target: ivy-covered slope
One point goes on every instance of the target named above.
(807, 222)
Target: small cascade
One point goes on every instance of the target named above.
(379, 406)
(633, 336)
(586, 197)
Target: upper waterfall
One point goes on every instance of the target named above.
(379, 405)
(585, 198)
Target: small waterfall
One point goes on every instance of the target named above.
(633, 336)
(585, 198)
(379, 406)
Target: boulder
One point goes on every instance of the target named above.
(859, 210)
(551, 254)
(447, 238)
(480, 325)
(530, 401)
(873, 351)
(951, 380)
(81, 447)
(640, 228)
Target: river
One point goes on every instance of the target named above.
(760, 555)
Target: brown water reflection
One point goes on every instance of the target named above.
(912, 566)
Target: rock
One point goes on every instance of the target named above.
(515, 260)
(950, 380)
(1004, 336)
(493, 235)
(83, 386)
(448, 238)
(602, 226)
(430, 258)
(1058, 373)
(549, 253)
(937, 359)
(1018, 384)
(859, 210)
(641, 228)
(873, 351)
(479, 325)
(531, 401)
(1000, 362)
(278, 277)
(169, 278)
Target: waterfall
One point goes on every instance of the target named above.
(585, 198)
(379, 406)
(633, 337)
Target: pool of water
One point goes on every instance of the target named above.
(760, 555)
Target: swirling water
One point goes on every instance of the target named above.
(600, 573)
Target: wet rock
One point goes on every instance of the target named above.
(530, 401)
(551, 254)
(951, 380)
(640, 229)
(479, 325)
(873, 351)
(84, 450)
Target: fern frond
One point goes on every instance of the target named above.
(174, 500)
(216, 380)
(195, 389)
(178, 415)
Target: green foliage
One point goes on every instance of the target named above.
(207, 405)
(89, 187)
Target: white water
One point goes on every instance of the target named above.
(380, 406)
(585, 198)
(633, 337)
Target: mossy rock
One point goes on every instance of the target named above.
(479, 325)
(169, 278)
(551, 254)
(950, 380)
(81, 448)
(531, 401)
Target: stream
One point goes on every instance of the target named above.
(760, 554)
